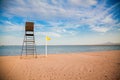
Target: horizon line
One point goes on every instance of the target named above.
(73, 45)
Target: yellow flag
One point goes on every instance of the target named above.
(48, 38)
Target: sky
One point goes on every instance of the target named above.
(66, 22)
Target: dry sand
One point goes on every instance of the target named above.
(103, 65)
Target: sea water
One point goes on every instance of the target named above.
(58, 49)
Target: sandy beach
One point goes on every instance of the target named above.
(104, 65)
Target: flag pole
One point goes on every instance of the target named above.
(46, 48)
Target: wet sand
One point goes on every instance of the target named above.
(104, 65)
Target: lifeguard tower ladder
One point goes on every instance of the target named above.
(28, 47)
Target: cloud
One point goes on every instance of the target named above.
(48, 34)
(11, 40)
(100, 29)
(71, 13)
(43, 9)
(10, 27)
(83, 3)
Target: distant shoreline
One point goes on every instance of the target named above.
(72, 45)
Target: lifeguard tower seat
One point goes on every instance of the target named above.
(28, 47)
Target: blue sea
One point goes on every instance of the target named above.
(58, 49)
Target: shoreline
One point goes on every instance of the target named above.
(101, 65)
(42, 54)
